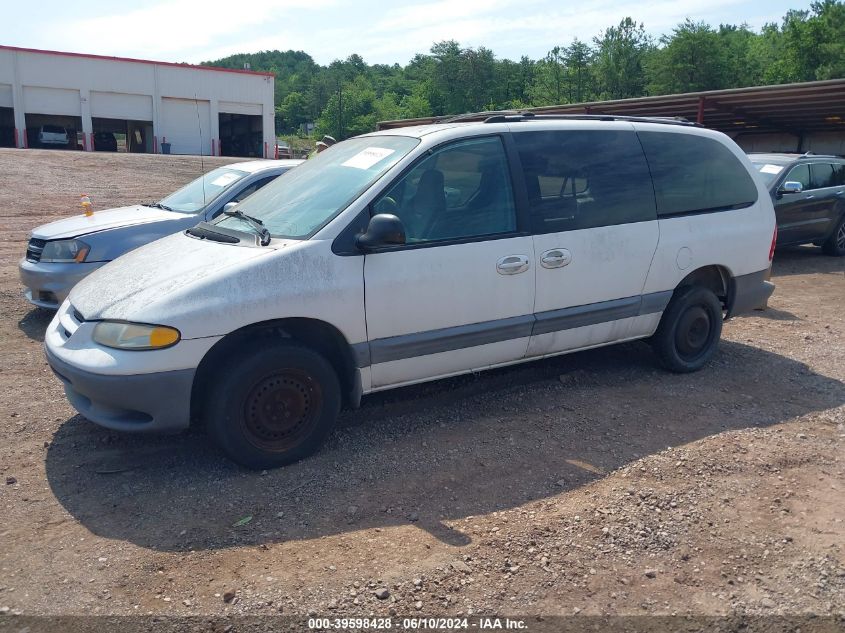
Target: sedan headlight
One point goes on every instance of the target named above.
(65, 251)
(135, 336)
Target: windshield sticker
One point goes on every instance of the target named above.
(770, 169)
(224, 179)
(368, 157)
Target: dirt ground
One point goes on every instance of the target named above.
(594, 483)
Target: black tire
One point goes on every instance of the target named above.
(835, 244)
(689, 330)
(273, 405)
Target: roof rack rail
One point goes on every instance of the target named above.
(469, 116)
(814, 155)
(530, 116)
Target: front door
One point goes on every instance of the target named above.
(459, 294)
(595, 233)
(798, 213)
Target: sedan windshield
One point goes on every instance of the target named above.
(197, 194)
(769, 171)
(315, 192)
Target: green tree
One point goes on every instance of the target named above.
(690, 60)
(578, 57)
(619, 56)
(549, 86)
(293, 112)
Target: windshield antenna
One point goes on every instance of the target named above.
(202, 162)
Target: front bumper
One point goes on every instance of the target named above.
(157, 402)
(48, 284)
(750, 292)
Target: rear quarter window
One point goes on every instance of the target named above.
(695, 174)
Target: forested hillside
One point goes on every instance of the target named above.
(348, 97)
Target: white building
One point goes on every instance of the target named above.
(144, 106)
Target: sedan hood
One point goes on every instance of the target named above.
(131, 286)
(79, 225)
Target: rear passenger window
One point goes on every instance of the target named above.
(584, 179)
(821, 175)
(695, 174)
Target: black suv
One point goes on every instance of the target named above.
(808, 192)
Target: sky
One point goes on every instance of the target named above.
(381, 32)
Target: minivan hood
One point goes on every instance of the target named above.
(129, 287)
(103, 220)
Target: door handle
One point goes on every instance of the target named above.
(555, 258)
(512, 264)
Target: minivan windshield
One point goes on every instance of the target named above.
(312, 194)
(195, 196)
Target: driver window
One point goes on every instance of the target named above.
(800, 173)
(463, 190)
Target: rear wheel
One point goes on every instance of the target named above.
(689, 330)
(835, 244)
(273, 405)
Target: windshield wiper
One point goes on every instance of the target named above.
(158, 205)
(255, 223)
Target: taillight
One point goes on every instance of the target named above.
(774, 241)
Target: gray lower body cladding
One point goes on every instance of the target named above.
(750, 292)
(158, 402)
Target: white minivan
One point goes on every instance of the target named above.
(414, 254)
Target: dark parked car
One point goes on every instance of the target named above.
(105, 142)
(808, 191)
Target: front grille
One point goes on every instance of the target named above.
(70, 320)
(34, 249)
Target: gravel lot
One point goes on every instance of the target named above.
(593, 483)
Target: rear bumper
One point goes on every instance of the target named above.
(48, 284)
(157, 402)
(750, 292)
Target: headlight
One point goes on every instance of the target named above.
(65, 251)
(135, 336)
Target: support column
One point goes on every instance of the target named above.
(156, 109)
(214, 115)
(87, 124)
(18, 105)
(268, 123)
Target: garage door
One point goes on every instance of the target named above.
(6, 96)
(114, 105)
(51, 101)
(234, 107)
(186, 124)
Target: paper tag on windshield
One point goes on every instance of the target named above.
(368, 157)
(224, 179)
(771, 169)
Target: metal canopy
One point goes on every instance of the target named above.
(794, 108)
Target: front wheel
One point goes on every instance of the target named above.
(273, 404)
(835, 244)
(689, 330)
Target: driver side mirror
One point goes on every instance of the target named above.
(790, 186)
(384, 229)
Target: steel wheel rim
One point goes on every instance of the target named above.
(282, 409)
(694, 332)
(840, 236)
